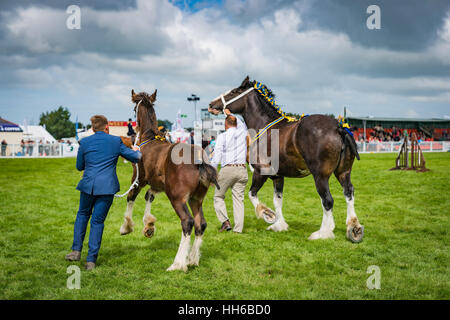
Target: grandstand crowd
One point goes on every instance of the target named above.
(380, 134)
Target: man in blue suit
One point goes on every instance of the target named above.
(97, 156)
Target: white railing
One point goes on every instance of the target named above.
(426, 146)
(37, 150)
(59, 150)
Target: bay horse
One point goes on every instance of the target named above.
(185, 183)
(315, 145)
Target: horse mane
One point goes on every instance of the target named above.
(267, 108)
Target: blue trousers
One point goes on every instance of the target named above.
(97, 207)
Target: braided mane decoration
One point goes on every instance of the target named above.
(270, 98)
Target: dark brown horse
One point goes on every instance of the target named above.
(176, 170)
(315, 145)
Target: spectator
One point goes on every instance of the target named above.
(22, 144)
(47, 148)
(41, 148)
(30, 147)
(191, 138)
(4, 145)
(131, 131)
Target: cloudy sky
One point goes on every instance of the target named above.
(316, 55)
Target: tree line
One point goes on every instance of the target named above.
(58, 124)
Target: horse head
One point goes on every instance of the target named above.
(232, 99)
(144, 110)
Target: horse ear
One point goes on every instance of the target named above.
(153, 96)
(245, 82)
(132, 93)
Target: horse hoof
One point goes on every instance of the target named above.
(321, 235)
(269, 216)
(193, 261)
(125, 230)
(278, 227)
(355, 234)
(149, 232)
(174, 267)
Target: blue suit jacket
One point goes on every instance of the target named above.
(97, 156)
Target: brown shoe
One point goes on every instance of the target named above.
(225, 226)
(90, 265)
(73, 256)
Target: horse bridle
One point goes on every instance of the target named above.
(137, 122)
(226, 103)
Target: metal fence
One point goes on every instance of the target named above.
(426, 146)
(37, 150)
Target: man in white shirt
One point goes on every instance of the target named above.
(231, 152)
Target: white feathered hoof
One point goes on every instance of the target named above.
(278, 227)
(193, 260)
(321, 234)
(176, 266)
(355, 233)
(126, 228)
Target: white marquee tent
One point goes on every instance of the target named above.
(37, 133)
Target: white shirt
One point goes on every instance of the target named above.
(231, 146)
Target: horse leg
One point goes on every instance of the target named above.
(187, 222)
(127, 226)
(280, 225)
(327, 227)
(261, 210)
(200, 226)
(355, 231)
(149, 219)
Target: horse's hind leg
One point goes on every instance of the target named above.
(187, 222)
(127, 226)
(280, 224)
(355, 231)
(200, 226)
(327, 227)
(149, 219)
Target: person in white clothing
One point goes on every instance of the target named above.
(231, 152)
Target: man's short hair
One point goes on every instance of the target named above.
(99, 123)
(231, 121)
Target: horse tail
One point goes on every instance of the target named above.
(349, 141)
(208, 175)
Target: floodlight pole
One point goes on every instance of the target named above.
(194, 99)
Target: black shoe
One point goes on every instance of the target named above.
(226, 226)
(73, 256)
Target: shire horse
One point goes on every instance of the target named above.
(184, 182)
(315, 145)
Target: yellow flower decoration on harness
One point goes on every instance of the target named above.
(263, 91)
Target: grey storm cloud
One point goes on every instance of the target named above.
(406, 24)
(106, 35)
(317, 55)
(97, 4)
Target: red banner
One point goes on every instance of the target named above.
(120, 123)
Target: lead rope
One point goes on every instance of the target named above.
(136, 180)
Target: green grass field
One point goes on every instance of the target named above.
(406, 217)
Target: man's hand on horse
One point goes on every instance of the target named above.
(136, 148)
(226, 111)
